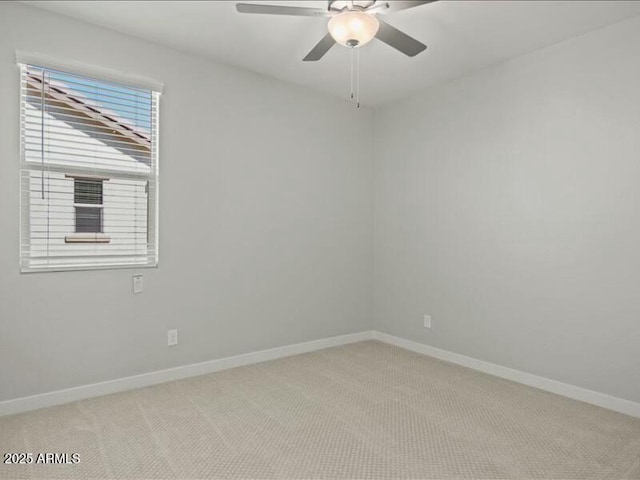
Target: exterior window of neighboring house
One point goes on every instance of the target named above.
(87, 199)
(89, 173)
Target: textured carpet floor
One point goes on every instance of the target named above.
(366, 410)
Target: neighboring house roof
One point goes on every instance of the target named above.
(120, 134)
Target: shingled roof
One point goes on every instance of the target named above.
(75, 106)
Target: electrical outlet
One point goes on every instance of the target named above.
(138, 283)
(172, 337)
(427, 321)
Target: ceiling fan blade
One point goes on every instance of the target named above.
(399, 40)
(320, 49)
(282, 10)
(397, 5)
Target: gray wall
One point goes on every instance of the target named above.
(507, 205)
(265, 223)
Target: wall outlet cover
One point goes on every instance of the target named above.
(172, 337)
(427, 321)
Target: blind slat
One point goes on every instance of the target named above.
(33, 95)
(78, 110)
(60, 111)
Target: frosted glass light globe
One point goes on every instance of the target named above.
(353, 28)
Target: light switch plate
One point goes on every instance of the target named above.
(138, 283)
(172, 337)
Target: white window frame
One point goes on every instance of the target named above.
(152, 184)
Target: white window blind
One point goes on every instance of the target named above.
(89, 173)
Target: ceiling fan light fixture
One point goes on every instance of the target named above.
(353, 28)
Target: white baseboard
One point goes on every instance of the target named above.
(58, 397)
(571, 391)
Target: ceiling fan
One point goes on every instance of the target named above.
(351, 23)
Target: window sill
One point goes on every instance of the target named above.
(87, 238)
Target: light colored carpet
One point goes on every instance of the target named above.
(366, 410)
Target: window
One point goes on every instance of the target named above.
(89, 173)
(87, 199)
(88, 218)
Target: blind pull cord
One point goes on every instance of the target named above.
(42, 133)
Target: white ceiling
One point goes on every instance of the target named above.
(462, 36)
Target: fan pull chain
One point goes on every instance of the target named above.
(355, 76)
(351, 63)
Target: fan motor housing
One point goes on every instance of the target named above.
(341, 5)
